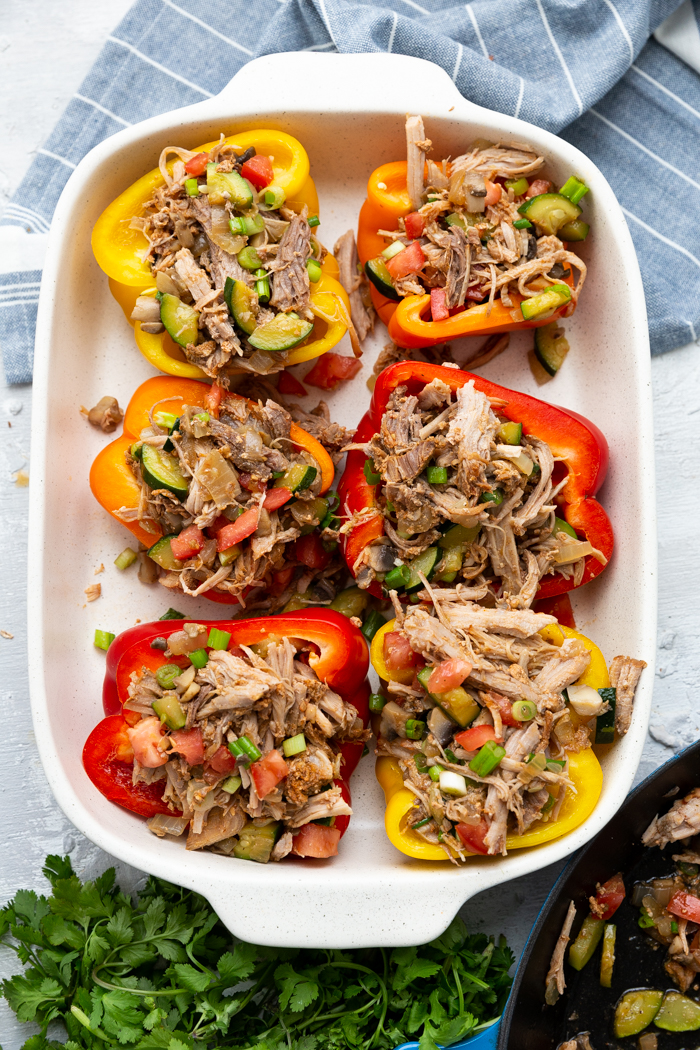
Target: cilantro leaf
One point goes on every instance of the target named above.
(193, 980)
(237, 965)
(297, 990)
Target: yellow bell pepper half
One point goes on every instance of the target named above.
(584, 769)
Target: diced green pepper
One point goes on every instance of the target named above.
(518, 186)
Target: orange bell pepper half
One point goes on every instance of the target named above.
(113, 484)
(574, 440)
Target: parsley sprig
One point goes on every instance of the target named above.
(161, 973)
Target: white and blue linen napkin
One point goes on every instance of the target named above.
(588, 69)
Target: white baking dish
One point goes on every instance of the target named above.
(370, 894)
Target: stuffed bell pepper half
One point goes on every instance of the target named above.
(456, 483)
(229, 496)
(243, 734)
(485, 725)
(213, 258)
(475, 245)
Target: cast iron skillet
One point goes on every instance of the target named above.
(528, 1024)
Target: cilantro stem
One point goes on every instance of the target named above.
(136, 991)
(85, 1022)
(460, 993)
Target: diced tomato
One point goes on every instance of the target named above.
(448, 675)
(144, 739)
(609, 897)
(213, 399)
(538, 186)
(223, 761)
(415, 225)
(189, 743)
(475, 292)
(197, 165)
(188, 543)
(246, 525)
(217, 525)
(331, 370)
(249, 483)
(410, 260)
(493, 193)
(282, 579)
(108, 760)
(438, 304)
(267, 772)
(310, 551)
(473, 835)
(505, 707)
(290, 386)
(398, 654)
(316, 840)
(473, 739)
(685, 906)
(258, 170)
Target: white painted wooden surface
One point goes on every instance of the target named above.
(45, 50)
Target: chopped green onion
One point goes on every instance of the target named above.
(492, 497)
(421, 823)
(555, 765)
(435, 771)
(522, 224)
(294, 745)
(451, 757)
(231, 784)
(453, 784)
(421, 764)
(172, 614)
(136, 449)
(395, 248)
(199, 658)
(645, 920)
(376, 703)
(436, 475)
(365, 751)
(574, 189)
(549, 804)
(159, 643)
(371, 624)
(370, 476)
(538, 761)
(126, 558)
(262, 287)
(674, 927)
(313, 268)
(218, 639)
(415, 729)
(518, 186)
(487, 759)
(249, 258)
(166, 675)
(103, 639)
(166, 419)
(249, 748)
(313, 220)
(235, 748)
(274, 196)
(278, 474)
(169, 710)
(192, 187)
(563, 526)
(203, 417)
(524, 710)
(248, 225)
(397, 577)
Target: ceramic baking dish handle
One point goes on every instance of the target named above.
(337, 82)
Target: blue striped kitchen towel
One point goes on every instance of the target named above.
(587, 69)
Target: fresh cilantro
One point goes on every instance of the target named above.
(160, 973)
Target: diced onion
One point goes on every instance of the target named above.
(163, 824)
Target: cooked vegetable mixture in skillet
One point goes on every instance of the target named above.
(238, 504)
(247, 741)
(233, 266)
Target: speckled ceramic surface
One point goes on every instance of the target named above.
(85, 350)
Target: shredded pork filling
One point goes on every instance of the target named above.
(192, 250)
(503, 495)
(228, 465)
(265, 699)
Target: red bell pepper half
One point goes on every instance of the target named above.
(577, 443)
(337, 654)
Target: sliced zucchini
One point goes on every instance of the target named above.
(425, 563)
(161, 470)
(545, 303)
(180, 320)
(241, 300)
(228, 185)
(256, 843)
(393, 249)
(511, 433)
(605, 724)
(550, 211)
(381, 278)
(162, 554)
(551, 347)
(574, 231)
(281, 333)
(458, 534)
(450, 565)
(298, 477)
(230, 554)
(459, 705)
